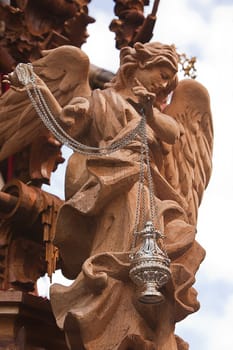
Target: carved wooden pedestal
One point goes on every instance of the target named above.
(27, 323)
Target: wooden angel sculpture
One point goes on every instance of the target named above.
(113, 184)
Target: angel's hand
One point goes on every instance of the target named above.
(17, 83)
(77, 109)
(12, 80)
(145, 97)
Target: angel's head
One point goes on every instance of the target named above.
(155, 65)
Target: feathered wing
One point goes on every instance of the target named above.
(188, 163)
(64, 71)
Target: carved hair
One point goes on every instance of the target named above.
(145, 56)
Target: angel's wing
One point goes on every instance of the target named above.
(188, 163)
(64, 71)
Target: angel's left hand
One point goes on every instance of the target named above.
(12, 80)
(75, 110)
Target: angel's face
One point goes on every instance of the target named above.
(155, 78)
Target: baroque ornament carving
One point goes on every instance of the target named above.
(28, 26)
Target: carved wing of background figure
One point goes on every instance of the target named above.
(64, 71)
(187, 164)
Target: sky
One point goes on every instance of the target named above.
(201, 28)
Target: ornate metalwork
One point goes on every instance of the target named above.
(150, 266)
(188, 65)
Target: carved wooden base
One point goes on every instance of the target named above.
(27, 323)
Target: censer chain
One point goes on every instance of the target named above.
(27, 77)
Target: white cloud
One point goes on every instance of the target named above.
(180, 25)
(100, 46)
(43, 284)
(221, 336)
(58, 177)
(212, 331)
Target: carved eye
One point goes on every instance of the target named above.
(165, 76)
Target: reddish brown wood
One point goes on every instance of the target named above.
(27, 27)
(28, 217)
(27, 322)
(131, 25)
(7, 202)
(94, 227)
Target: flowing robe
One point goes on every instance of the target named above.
(100, 311)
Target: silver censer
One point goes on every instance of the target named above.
(149, 267)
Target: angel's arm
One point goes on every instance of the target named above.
(51, 101)
(165, 127)
(72, 117)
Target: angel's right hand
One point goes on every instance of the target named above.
(145, 97)
(77, 109)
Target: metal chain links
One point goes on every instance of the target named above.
(27, 78)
